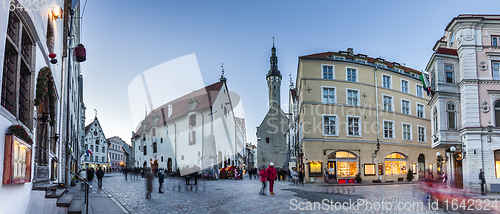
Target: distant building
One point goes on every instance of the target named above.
(465, 77)
(96, 147)
(271, 132)
(193, 132)
(116, 153)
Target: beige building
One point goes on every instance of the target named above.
(364, 115)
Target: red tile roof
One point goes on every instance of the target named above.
(180, 106)
(326, 56)
(447, 51)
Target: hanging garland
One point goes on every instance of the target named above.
(44, 84)
(19, 132)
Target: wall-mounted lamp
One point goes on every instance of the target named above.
(490, 131)
(56, 12)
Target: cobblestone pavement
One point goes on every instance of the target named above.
(231, 196)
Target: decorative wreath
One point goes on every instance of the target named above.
(19, 131)
(44, 84)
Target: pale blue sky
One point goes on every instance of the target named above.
(125, 38)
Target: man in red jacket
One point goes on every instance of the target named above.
(271, 176)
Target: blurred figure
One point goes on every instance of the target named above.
(326, 174)
(160, 180)
(149, 182)
(90, 175)
(271, 176)
(482, 181)
(194, 175)
(295, 176)
(83, 178)
(99, 174)
(125, 171)
(263, 178)
(301, 177)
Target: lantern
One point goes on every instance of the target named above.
(80, 53)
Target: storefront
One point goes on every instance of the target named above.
(342, 166)
(395, 164)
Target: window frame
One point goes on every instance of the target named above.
(323, 74)
(417, 86)
(403, 131)
(336, 124)
(409, 106)
(493, 70)
(425, 134)
(435, 116)
(495, 38)
(495, 109)
(446, 73)
(365, 167)
(390, 81)
(360, 133)
(407, 84)
(347, 76)
(455, 112)
(423, 110)
(347, 96)
(392, 102)
(393, 129)
(334, 94)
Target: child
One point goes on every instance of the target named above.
(263, 178)
(295, 176)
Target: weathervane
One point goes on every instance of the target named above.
(95, 110)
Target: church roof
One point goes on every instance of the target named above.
(180, 106)
(87, 128)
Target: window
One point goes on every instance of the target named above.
(497, 114)
(395, 164)
(433, 79)
(407, 131)
(352, 74)
(400, 70)
(329, 95)
(435, 118)
(192, 124)
(103, 159)
(328, 72)
(96, 158)
(389, 129)
(103, 149)
(420, 110)
(381, 65)
(386, 81)
(448, 69)
(145, 150)
(496, 70)
(430, 169)
(346, 164)
(450, 109)
(421, 134)
(330, 125)
(161, 158)
(267, 140)
(154, 147)
(495, 41)
(404, 86)
(338, 58)
(91, 147)
(369, 169)
(154, 133)
(361, 61)
(387, 103)
(97, 141)
(420, 91)
(497, 163)
(353, 126)
(17, 83)
(352, 97)
(405, 107)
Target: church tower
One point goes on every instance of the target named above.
(274, 80)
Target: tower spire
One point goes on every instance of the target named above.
(273, 71)
(222, 78)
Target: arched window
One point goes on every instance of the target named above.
(435, 118)
(395, 164)
(497, 114)
(451, 112)
(346, 164)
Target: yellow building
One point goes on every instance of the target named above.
(363, 115)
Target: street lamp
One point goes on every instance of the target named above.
(490, 131)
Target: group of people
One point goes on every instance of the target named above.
(87, 175)
(268, 175)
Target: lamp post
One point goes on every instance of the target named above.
(490, 131)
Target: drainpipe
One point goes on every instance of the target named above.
(175, 143)
(202, 139)
(66, 177)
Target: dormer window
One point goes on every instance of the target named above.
(338, 58)
(361, 61)
(381, 65)
(399, 70)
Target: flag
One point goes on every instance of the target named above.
(89, 153)
(425, 83)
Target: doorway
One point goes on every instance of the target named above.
(331, 170)
(421, 166)
(459, 179)
(169, 165)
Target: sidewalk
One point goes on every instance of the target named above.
(100, 201)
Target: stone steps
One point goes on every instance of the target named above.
(58, 193)
(76, 206)
(65, 200)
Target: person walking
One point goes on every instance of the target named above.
(271, 176)
(90, 175)
(149, 182)
(83, 178)
(160, 180)
(99, 175)
(301, 177)
(482, 181)
(263, 178)
(326, 174)
(125, 171)
(295, 176)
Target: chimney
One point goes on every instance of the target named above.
(351, 51)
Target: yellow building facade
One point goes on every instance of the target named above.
(363, 115)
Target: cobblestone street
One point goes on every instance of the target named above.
(231, 196)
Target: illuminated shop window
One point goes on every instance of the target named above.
(346, 164)
(369, 169)
(395, 164)
(497, 163)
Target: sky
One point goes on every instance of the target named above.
(125, 38)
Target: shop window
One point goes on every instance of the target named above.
(497, 163)
(414, 168)
(380, 169)
(347, 164)
(315, 169)
(395, 164)
(430, 169)
(18, 154)
(369, 169)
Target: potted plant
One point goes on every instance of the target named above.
(358, 178)
(409, 176)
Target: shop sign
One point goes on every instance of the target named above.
(17, 161)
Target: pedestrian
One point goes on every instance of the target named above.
(160, 180)
(255, 172)
(271, 177)
(250, 173)
(301, 177)
(482, 181)
(194, 175)
(125, 171)
(90, 175)
(263, 178)
(326, 174)
(295, 176)
(149, 182)
(83, 178)
(99, 174)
